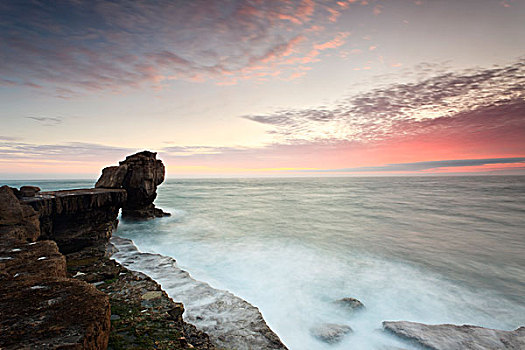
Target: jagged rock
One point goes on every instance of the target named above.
(139, 174)
(40, 307)
(454, 337)
(350, 304)
(75, 219)
(17, 220)
(330, 333)
(29, 191)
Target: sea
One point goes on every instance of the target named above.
(448, 249)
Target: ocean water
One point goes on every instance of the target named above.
(424, 249)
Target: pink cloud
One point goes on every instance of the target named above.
(334, 14)
(337, 41)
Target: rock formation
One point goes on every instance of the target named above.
(454, 337)
(75, 219)
(139, 174)
(43, 293)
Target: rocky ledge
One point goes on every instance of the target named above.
(454, 337)
(40, 306)
(76, 219)
(142, 314)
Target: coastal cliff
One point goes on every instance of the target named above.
(59, 289)
(55, 264)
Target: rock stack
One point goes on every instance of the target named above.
(139, 174)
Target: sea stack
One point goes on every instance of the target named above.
(139, 174)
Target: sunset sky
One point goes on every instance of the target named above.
(263, 88)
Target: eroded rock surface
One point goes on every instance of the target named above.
(139, 174)
(454, 337)
(40, 306)
(75, 219)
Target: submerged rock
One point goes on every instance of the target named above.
(454, 337)
(330, 333)
(139, 174)
(350, 304)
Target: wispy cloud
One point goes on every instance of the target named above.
(442, 102)
(47, 121)
(427, 165)
(89, 45)
(11, 149)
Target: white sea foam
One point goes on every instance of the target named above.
(295, 288)
(434, 250)
(230, 321)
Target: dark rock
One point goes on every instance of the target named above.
(29, 191)
(139, 174)
(76, 219)
(177, 311)
(350, 304)
(112, 177)
(40, 307)
(330, 333)
(17, 220)
(453, 337)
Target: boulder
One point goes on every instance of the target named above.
(330, 333)
(350, 304)
(454, 337)
(17, 220)
(139, 174)
(29, 191)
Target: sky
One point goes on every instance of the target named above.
(263, 88)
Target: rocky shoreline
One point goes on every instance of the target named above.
(60, 288)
